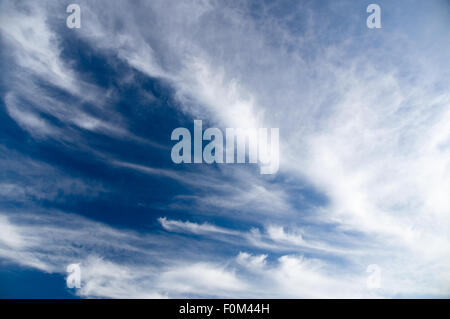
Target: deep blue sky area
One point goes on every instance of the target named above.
(20, 283)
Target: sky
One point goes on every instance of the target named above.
(86, 116)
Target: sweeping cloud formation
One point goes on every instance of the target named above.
(364, 148)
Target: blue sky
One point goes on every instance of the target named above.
(86, 174)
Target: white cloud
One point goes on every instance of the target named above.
(35, 47)
(277, 233)
(9, 234)
(27, 119)
(202, 279)
(52, 242)
(102, 278)
(273, 238)
(255, 263)
(205, 228)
